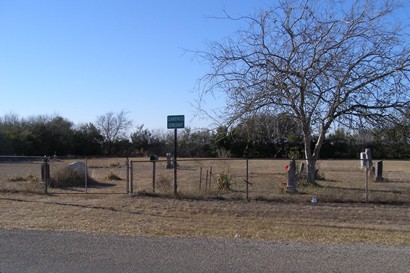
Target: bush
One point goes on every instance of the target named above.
(224, 181)
(66, 177)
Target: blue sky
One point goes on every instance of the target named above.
(83, 58)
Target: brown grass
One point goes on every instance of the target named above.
(150, 216)
(341, 216)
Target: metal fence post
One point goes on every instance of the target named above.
(247, 179)
(86, 176)
(45, 173)
(127, 166)
(131, 186)
(153, 175)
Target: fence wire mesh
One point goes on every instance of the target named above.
(257, 179)
(266, 179)
(21, 174)
(66, 175)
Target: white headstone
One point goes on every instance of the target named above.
(78, 167)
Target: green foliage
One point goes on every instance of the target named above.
(257, 137)
(224, 181)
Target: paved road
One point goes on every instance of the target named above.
(38, 251)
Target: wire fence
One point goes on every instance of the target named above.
(227, 179)
(268, 179)
(64, 175)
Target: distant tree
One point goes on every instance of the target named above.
(340, 144)
(6, 147)
(194, 143)
(36, 135)
(48, 135)
(10, 126)
(323, 62)
(87, 140)
(141, 139)
(392, 140)
(222, 141)
(113, 127)
(267, 135)
(161, 142)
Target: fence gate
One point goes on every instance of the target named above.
(91, 175)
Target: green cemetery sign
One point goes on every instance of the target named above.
(176, 122)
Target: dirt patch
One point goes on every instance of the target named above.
(153, 216)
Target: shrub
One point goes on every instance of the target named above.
(66, 177)
(224, 181)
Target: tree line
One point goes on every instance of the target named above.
(260, 136)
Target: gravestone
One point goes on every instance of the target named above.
(292, 179)
(78, 167)
(170, 161)
(379, 171)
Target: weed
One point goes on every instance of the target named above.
(224, 181)
(112, 176)
(114, 165)
(283, 186)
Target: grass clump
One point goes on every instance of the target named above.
(29, 178)
(66, 177)
(112, 176)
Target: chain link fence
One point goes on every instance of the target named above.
(227, 179)
(21, 174)
(64, 175)
(267, 179)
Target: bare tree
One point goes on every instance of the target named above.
(324, 62)
(113, 127)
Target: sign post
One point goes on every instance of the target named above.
(175, 122)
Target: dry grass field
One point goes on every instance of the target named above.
(203, 210)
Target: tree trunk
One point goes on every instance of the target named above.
(310, 158)
(313, 156)
(311, 170)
